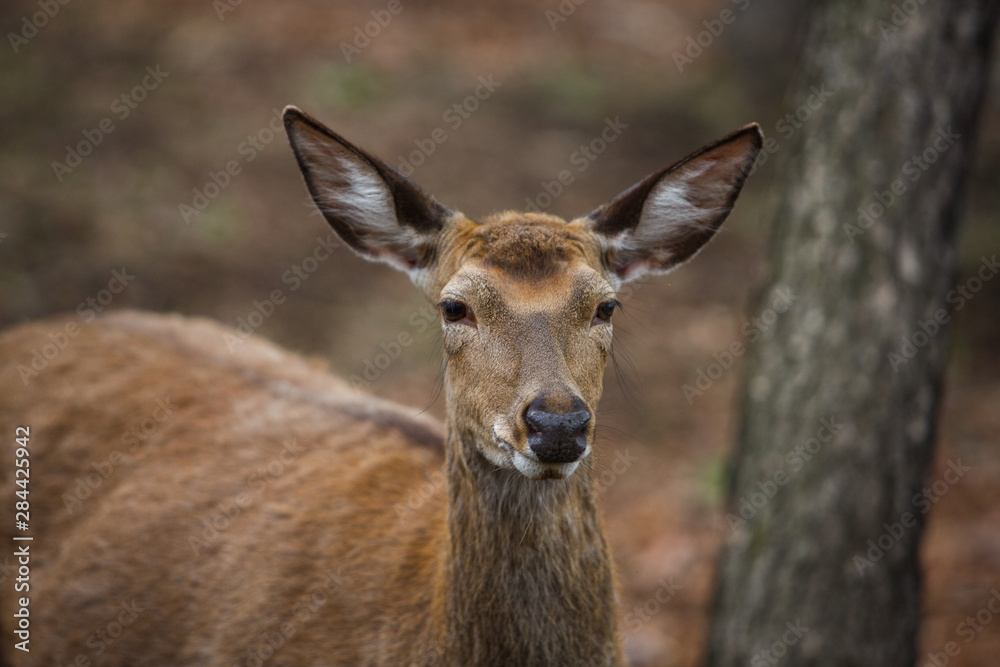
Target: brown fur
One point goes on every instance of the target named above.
(525, 246)
(132, 539)
(357, 533)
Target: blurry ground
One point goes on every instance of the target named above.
(64, 229)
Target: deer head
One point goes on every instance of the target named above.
(527, 300)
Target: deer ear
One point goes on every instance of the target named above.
(380, 213)
(665, 219)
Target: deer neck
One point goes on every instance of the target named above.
(527, 573)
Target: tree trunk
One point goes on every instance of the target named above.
(842, 391)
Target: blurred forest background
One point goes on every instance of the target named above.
(202, 81)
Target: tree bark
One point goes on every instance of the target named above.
(842, 390)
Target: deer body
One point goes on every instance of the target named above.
(264, 512)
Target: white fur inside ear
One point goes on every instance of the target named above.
(670, 213)
(360, 194)
(670, 209)
(349, 188)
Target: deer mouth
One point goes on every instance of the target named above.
(527, 463)
(534, 469)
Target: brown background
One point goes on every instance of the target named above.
(121, 208)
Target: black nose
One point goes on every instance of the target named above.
(557, 437)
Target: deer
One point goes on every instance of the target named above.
(196, 504)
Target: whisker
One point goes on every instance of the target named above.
(626, 372)
(438, 379)
(530, 519)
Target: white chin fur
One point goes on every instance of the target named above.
(501, 457)
(506, 454)
(536, 470)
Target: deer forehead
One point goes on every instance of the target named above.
(520, 263)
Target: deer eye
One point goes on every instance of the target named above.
(604, 312)
(452, 310)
